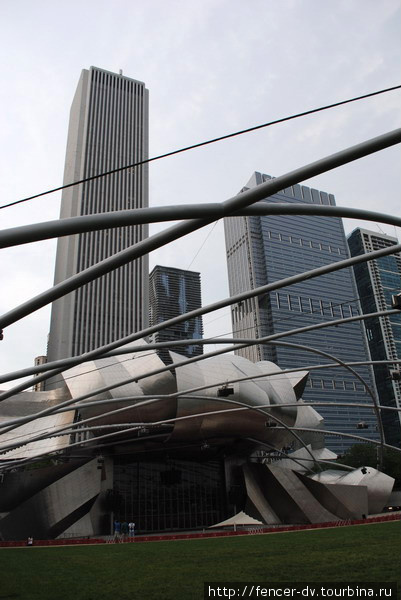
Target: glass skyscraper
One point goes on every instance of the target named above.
(378, 280)
(265, 249)
(173, 292)
(108, 129)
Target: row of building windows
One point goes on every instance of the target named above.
(292, 239)
(110, 80)
(293, 302)
(335, 384)
(391, 280)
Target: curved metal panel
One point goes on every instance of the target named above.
(379, 485)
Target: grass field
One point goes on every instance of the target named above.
(177, 569)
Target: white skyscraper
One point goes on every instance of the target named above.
(108, 129)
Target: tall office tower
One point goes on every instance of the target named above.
(108, 129)
(39, 360)
(265, 249)
(174, 292)
(378, 280)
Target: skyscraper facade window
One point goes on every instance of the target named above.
(108, 129)
(265, 249)
(174, 292)
(378, 280)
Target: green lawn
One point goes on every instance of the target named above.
(177, 569)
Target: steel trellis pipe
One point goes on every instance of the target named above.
(228, 207)
(366, 386)
(173, 397)
(72, 404)
(14, 463)
(189, 342)
(213, 385)
(221, 304)
(76, 427)
(73, 225)
(88, 356)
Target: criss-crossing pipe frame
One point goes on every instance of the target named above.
(192, 218)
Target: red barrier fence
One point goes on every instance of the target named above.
(206, 534)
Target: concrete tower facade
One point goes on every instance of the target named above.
(173, 292)
(378, 280)
(108, 129)
(264, 249)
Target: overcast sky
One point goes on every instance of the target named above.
(211, 67)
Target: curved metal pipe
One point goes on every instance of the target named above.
(45, 412)
(63, 430)
(99, 352)
(176, 231)
(347, 435)
(184, 362)
(288, 344)
(5, 466)
(189, 342)
(47, 230)
(139, 404)
(366, 386)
